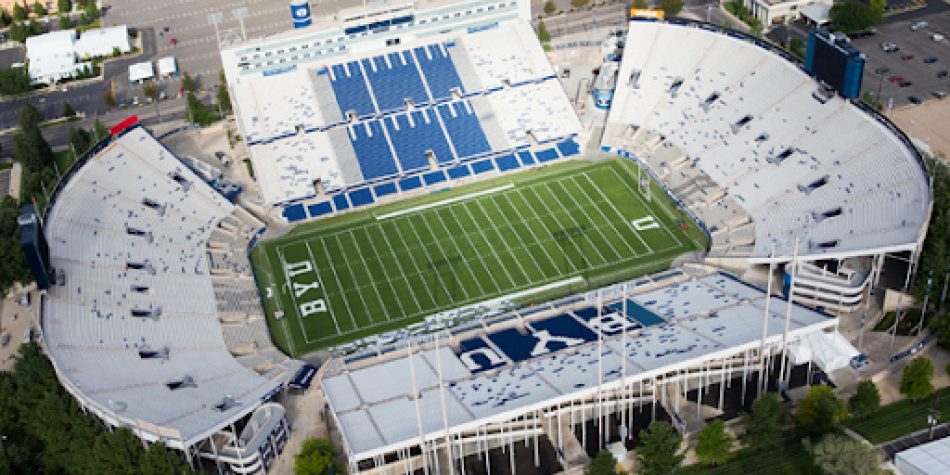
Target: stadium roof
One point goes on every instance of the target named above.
(677, 325)
(102, 41)
(932, 458)
(842, 180)
(132, 326)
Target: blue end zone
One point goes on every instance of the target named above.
(432, 178)
(482, 166)
(586, 313)
(320, 209)
(477, 357)
(638, 312)
(510, 341)
(385, 189)
(526, 157)
(294, 213)
(507, 162)
(459, 172)
(361, 197)
(410, 183)
(568, 147)
(546, 155)
(339, 201)
(564, 325)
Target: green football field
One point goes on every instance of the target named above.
(580, 224)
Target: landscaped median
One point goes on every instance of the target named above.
(902, 417)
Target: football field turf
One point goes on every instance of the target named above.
(342, 278)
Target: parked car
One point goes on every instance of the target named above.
(895, 79)
(905, 83)
(939, 94)
(889, 47)
(920, 25)
(174, 41)
(937, 37)
(930, 59)
(914, 100)
(223, 157)
(943, 73)
(907, 57)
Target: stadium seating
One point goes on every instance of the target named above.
(439, 70)
(464, 129)
(372, 150)
(394, 79)
(349, 87)
(413, 134)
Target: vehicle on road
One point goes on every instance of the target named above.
(939, 94)
(905, 83)
(895, 79)
(914, 100)
(174, 41)
(930, 59)
(943, 73)
(920, 25)
(889, 47)
(937, 37)
(223, 157)
(907, 57)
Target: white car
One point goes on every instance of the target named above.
(889, 47)
(937, 37)
(920, 25)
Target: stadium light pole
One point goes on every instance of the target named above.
(213, 19)
(881, 71)
(788, 317)
(240, 14)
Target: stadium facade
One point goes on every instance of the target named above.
(153, 320)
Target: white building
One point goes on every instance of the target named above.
(55, 56)
(102, 42)
(778, 12)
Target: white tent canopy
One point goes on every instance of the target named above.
(167, 66)
(817, 13)
(141, 71)
(830, 351)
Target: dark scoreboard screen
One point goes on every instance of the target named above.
(830, 64)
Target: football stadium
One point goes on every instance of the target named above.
(490, 281)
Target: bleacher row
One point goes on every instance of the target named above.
(432, 179)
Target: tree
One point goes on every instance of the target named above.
(64, 6)
(13, 270)
(841, 455)
(35, 28)
(579, 3)
(543, 34)
(641, 4)
(865, 401)
(819, 412)
(116, 52)
(19, 31)
(915, 383)
(549, 7)
(91, 11)
(602, 464)
(68, 110)
(797, 47)
(64, 22)
(108, 98)
(316, 458)
(713, 443)
(5, 18)
(150, 91)
(19, 13)
(763, 426)
(224, 98)
(39, 9)
(188, 83)
(671, 8)
(99, 130)
(755, 26)
(80, 139)
(29, 146)
(14, 80)
(659, 449)
(852, 16)
(198, 112)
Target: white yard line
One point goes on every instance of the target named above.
(444, 202)
(662, 204)
(634, 231)
(582, 207)
(613, 225)
(346, 302)
(385, 271)
(554, 262)
(369, 275)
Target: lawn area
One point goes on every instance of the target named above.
(901, 418)
(909, 320)
(362, 273)
(787, 458)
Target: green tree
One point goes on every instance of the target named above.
(549, 7)
(91, 11)
(543, 34)
(713, 444)
(68, 110)
(19, 13)
(763, 425)
(579, 3)
(80, 139)
(108, 98)
(878, 8)
(865, 401)
(641, 4)
(659, 449)
(35, 28)
(13, 270)
(19, 31)
(64, 22)
(99, 130)
(915, 383)
(29, 146)
(671, 8)
(602, 464)
(150, 90)
(853, 16)
(116, 52)
(224, 98)
(316, 458)
(14, 80)
(64, 6)
(39, 9)
(755, 26)
(838, 454)
(188, 83)
(797, 47)
(198, 112)
(819, 412)
(5, 18)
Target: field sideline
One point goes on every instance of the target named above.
(343, 278)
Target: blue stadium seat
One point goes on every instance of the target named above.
(372, 150)
(461, 171)
(464, 129)
(432, 178)
(410, 183)
(483, 166)
(294, 213)
(385, 189)
(319, 209)
(350, 89)
(439, 70)
(568, 147)
(546, 155)
(412, 141)
(361, 197)
(526, 157)
(564, 325)
(394, 83)
(339, 201)
(507, 162)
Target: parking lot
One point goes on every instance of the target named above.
(884, 71)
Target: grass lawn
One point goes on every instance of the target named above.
(901, 418)
(343, 278)
(787, 458)
(909, 319)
